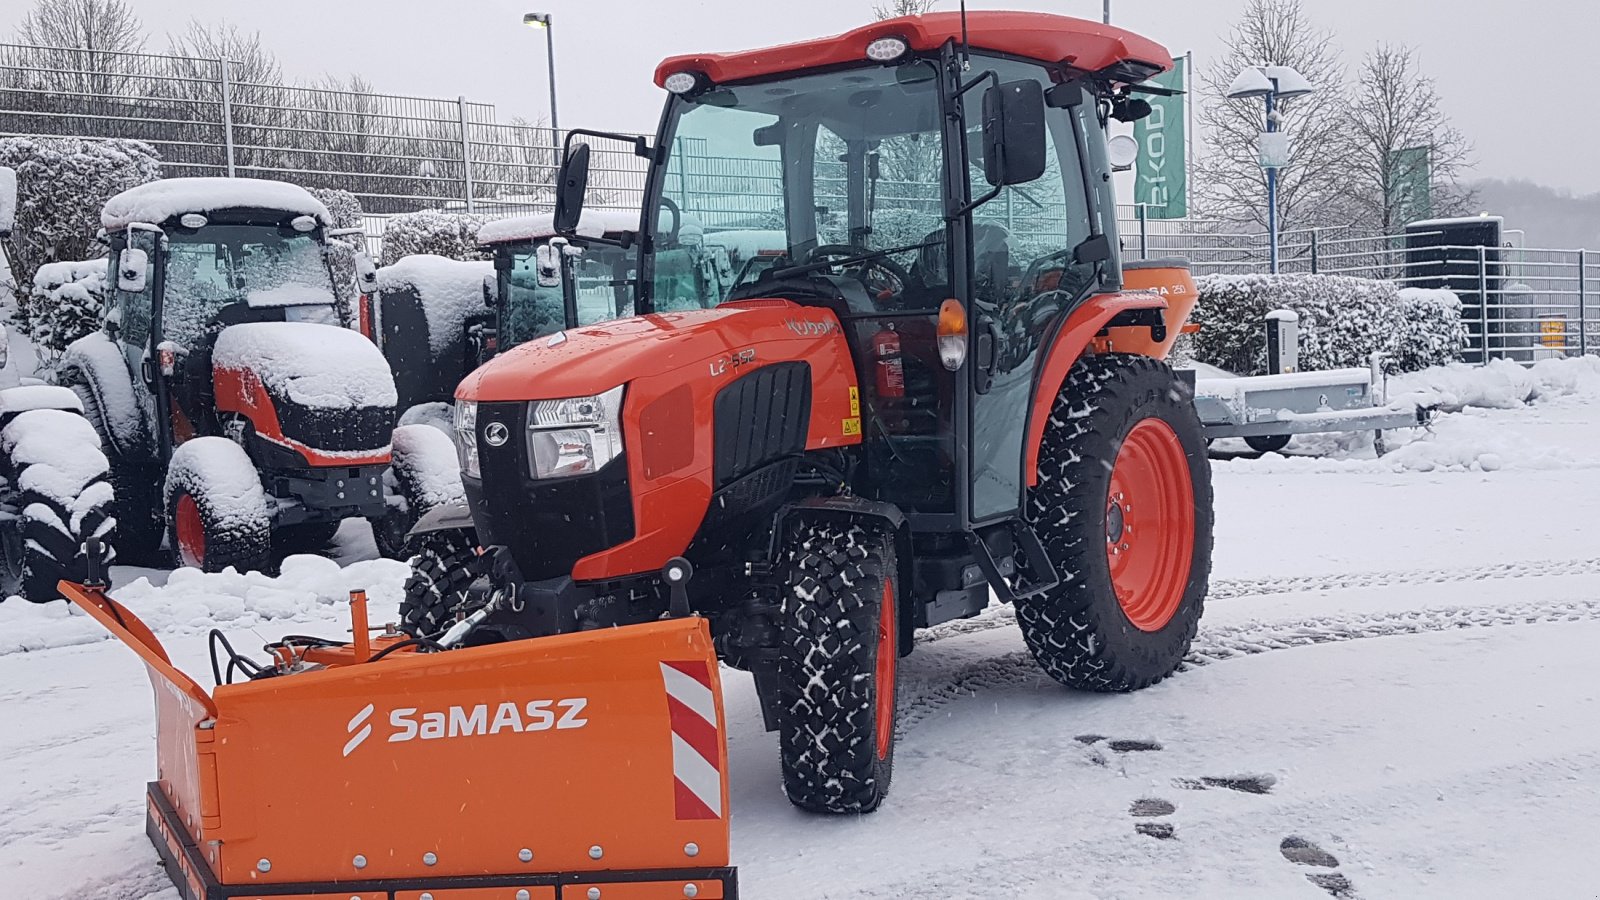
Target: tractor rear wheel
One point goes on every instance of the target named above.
(138, 487)
(839, 656)
(1123, 508)
(444, 564)
(216, 510)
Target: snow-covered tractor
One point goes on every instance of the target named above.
(55, 492)
(242, 415)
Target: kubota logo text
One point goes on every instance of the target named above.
(412, 724)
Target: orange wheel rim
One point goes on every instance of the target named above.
(191, 533)
(1150, 524)
(885, 670)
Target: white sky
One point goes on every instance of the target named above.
(1511, 74)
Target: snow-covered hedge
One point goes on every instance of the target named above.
(343, 206)
(1342, 321)
(64, 304)
(451, 235)
(61, 185)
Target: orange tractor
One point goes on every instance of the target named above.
(948, 388)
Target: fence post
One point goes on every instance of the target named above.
(466, 154)
(1144, 231)
(1583, 315)
(1314, 233)
(225, 66)
(1483, 302)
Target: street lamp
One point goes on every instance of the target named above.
(1273, 84)
(546, 22)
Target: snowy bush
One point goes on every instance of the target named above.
(1342, 321)
(65, 304)
(61, 184)
(343, 206)
(345, 209)
(451, 235)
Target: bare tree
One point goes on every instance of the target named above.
(894, 9)
(1230, 181)
(1396, 108)
(104, 25)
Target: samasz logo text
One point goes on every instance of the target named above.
(412, 724)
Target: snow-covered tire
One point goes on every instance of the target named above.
(217, 513)
(444, 564)
(1270, 443)
(423, 474)
(137, 485)
(1123, 508)
(839, 655)
(57, 495)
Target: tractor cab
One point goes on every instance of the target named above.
(549, 283)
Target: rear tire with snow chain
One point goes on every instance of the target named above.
(444, 564)
(136, 484)
(216, 510)
(55, 502)
(1123, 508)
(838, 660)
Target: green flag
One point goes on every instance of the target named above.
(1411, 184)
(1162, 174)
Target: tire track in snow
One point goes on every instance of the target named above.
(920, 701)
(1229, 588)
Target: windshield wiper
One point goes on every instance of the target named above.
(807, 268)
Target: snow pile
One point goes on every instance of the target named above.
(425, 457)
(157, 201)
(103, 366)
(313, 365)
(66, 302)
(1502, 384)
(1342, 321)
(194, 602)
(450, 291)
(591, 223)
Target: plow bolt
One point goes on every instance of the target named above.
(525, 855)
(594, 894)
(430, 858)
(691, 890)
(691, 849)
(522, 894)
(425, 896)
(263, 865)
(596, 852)
(360, 861)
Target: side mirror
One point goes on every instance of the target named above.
(1123, 152)
(571, 186)
(1013, 133)
(366, 273)
(132, 267)
(8, 201)
(547, 265)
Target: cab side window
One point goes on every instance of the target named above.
(134, 308)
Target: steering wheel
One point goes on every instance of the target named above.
(677, 218)
(884, 278)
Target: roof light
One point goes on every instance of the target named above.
(192, 220)
(303, 223)
(887, 49)
(681, 82)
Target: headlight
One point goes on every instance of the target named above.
(466, 435)
(575, 436)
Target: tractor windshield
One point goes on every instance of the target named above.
(601, 281)
(248, 267)
(824, 166)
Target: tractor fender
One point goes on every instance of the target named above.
(444, 517)
(1071, 340)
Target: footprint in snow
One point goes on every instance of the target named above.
(1153, 808)
(1244, 784)
(1302, 852)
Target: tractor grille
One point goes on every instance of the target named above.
(761, 417)
(336, 430)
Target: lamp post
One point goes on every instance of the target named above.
(546, 22)
(1108, 12)
(1273, 84)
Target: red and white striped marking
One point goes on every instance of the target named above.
(696, 740)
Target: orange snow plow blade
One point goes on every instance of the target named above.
(575, 766)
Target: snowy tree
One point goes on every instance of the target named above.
(66, 303)
(451, 235)
(897, 8)
(1229, 179)
(1396, 108)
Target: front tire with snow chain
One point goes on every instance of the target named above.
(217, 513)
(444, 564)
(1123, 508)
(837, 666)
(57, 495)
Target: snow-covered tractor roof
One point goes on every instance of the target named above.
(158, 201)
(537, 227)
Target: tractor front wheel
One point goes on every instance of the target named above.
(217, 514)
(1123, 508)
(837, 666)
(443, 566)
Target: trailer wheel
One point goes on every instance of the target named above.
(1270, 443)
(217, 513)
(140, 527)
(53, 505)
(1123, 508)
(839, 655)
(444, 564)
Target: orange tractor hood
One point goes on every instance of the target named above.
(594, 359)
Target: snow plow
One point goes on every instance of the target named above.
(910, 409)
(579, 766)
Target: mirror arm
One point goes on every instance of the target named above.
(994, 78)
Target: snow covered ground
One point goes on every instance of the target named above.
(1393, 694)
